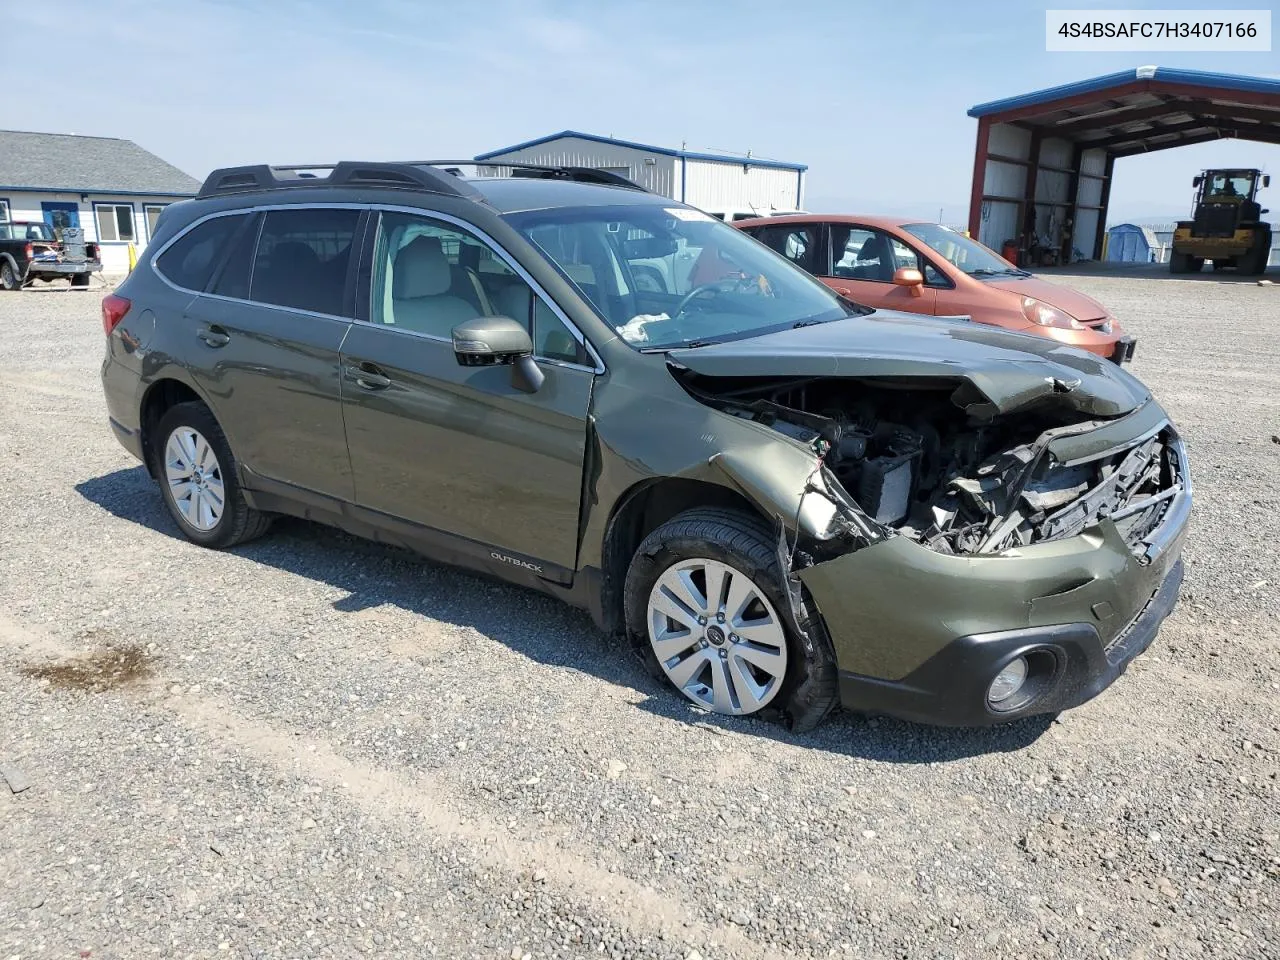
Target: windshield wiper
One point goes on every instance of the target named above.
(681, 346)
(811, 322)
(1007, 272)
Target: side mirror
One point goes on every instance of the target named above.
(1266, 181)
(911, 278)
(1195, 181)
(493, 341)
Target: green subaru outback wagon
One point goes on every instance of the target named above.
(784, 500)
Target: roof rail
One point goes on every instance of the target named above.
(542, 171)
(410, 176)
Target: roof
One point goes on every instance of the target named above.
(648, 148)
(519, 194)
(67, 163)
(866, 220)
(1149, 108)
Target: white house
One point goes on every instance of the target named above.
(731, 187)
(113, 189)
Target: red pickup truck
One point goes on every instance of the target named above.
(30, 251)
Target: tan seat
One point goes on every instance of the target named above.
(420, 299)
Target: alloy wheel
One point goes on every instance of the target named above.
(194, 476)
(717, 637)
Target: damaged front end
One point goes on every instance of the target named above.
(949, 546)
(932, 462)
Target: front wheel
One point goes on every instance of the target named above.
(197, 475)
(706, 609)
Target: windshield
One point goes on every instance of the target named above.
(1230, 185)
(965, 254)
(26, 231)
(666, 277)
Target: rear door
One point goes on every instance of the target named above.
(265, 341)
(475, 464)
(863, 261)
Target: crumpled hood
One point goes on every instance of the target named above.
(1007, 370)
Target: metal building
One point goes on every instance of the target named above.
(1132, 243)
(1043, 163)
(727, 186)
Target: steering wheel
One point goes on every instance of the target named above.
(715, 286)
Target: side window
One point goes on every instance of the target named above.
(933, 276)
(234, 278)
(797, 242)
(859, 253)
(189, 263)
(430, 276)
(302, 259)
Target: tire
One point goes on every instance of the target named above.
(1179, 263)
(1260, 254)
(1197, 264)
(8, 278)
(79, 280)
(187, 424)
(736, 544)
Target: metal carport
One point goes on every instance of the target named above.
(1043, 163)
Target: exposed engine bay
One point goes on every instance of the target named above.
(921, 461)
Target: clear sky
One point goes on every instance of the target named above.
(871, 95)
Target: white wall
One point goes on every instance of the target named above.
(659, 176)
(115, 255)
(720, 186)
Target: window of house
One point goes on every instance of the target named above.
(190, 261)
(302, 259)
(152, 212)
(430, 276)
(115, 222)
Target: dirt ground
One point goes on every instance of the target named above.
(311, 746)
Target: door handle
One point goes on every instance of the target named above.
(368, 376)
(214, 336)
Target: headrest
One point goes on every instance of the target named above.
(420, 270)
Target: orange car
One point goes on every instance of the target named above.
(893, 264)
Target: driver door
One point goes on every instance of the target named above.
(469, 460)
(863, 261)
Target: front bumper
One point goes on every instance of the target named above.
(1125, 347)
(921, 635)
(950, 689)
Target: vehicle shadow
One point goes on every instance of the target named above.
(538, 627)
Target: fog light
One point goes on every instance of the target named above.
(1008, 681)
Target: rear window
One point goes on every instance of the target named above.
(190, 262)
(302, 259)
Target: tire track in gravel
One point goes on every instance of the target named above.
(383, 793)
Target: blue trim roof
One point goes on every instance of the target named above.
(1199, 78)
(665, 151)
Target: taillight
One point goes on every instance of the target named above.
(113, 310)
(30, 252)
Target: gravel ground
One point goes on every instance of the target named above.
(315, 747)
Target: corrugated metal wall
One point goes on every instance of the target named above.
(660, 176)
(711, 185)
(722, 187)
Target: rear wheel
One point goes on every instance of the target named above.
(1179, 263)
(197, 475)
(8, 277)
(706, 610)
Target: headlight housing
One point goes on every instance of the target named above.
(1040, 313)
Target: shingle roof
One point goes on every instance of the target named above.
(69, 163)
